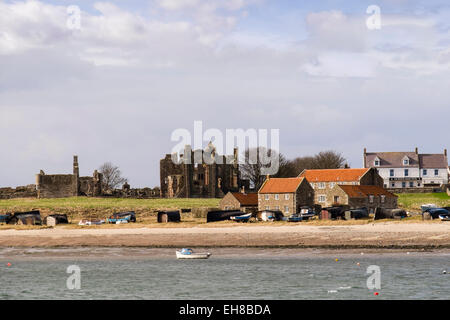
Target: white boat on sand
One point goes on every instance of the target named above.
(190, 254)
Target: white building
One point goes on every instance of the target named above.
(409, 169)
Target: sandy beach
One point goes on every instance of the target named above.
(376, 235)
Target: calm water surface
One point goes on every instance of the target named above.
(123, 273)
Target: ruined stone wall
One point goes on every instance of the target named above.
(137, 193)
(57, 185)
(19, 192)
(188, 179)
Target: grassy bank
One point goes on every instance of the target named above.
(82, 207)
(104, 203)
(413, 201)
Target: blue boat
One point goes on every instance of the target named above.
(243, 218)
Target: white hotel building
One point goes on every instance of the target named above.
(409, 169)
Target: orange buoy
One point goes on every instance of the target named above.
(358, 264)
(8, 264)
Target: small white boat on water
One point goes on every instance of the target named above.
(190, 254)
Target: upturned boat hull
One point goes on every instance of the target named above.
(193, 255)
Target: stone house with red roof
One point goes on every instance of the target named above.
(245, 202)
(357, 196)
(323, 181)
(287, 195)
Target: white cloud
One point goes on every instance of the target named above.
(115, 90)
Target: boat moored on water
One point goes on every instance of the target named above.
(186, 253)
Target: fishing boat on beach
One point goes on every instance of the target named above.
(87, 222)
(242, 218)
(190, 254)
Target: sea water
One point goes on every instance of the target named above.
(131, 273)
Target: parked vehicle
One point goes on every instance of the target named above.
(190, 254)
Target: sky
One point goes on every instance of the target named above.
(116, 88)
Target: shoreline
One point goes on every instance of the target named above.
(388, 235)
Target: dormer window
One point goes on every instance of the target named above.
(406, 161)
(376, 162)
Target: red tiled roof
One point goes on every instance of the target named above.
(365, 191)
(334, 175)
(281, 185)
(246, 199)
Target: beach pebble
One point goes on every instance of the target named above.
(358, 264)
(444, 271)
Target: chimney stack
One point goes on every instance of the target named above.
(417, 150)
(445, 152)
(243, 190)
(364, 158)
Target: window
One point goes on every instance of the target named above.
(286, 196)
(332, 184)
(266, 197)
(336, 199)
(267, 208)
(277, 207)
(405, 161)
(286, 209)
(322, 198)
(277, 197)
(425, 172)
(391, 172)
(411, 184)
(321, 185)
(406, 172)
(371, 198)
(377, 163)
(436, 172)
(403, 184)
(383, 198)
(393, 185)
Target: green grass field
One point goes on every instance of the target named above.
(413, 201)
(104, 203)
(410, 202)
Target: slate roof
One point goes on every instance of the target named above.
(392, 159)
(433, 161)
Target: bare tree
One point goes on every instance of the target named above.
(329, 160)
(112, 177)
(323, 160)
(253, 170)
